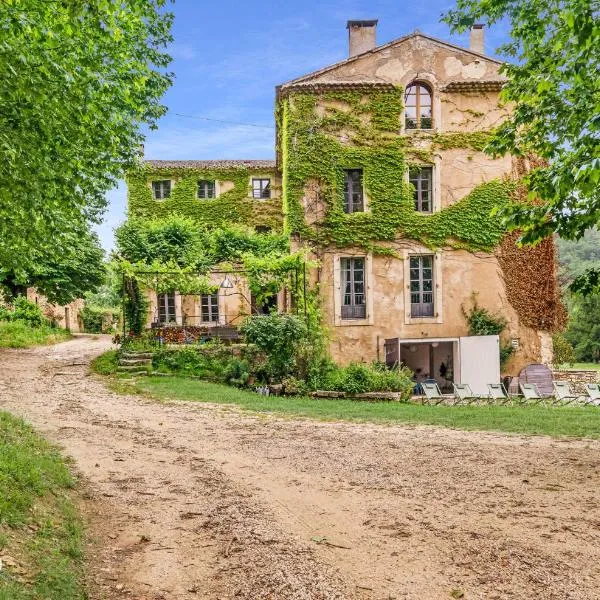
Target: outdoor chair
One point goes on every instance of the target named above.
(531, 393)
(432, 393)
(593, 392)
(463, 394)
(498, 392)
(563, 393)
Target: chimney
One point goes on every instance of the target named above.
(361, 36)
(476, 40)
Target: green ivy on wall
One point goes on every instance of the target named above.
(321, 135)
(234, 206)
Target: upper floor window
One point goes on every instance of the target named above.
(417, 103)
(353, 191)
(206, 188)
(354, 305)
(421, 179)
(261, 188)
(421, 286)
(161, 189)
(166, 308)
(209, 305)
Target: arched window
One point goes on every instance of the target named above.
(417, 102)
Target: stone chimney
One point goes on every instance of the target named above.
(361, 36)
(476, 40)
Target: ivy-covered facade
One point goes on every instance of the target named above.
(382, 180)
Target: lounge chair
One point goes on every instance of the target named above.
(593, 393)
(463, 394)
(531, 393)
(563, 393)
(432, 393)
(497, 392)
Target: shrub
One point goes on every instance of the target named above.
(278, 336)
(359, 378)
(209, 361)
(563, 352)
(237, 372)
(107, 363)
(28, 312)
(97, 319)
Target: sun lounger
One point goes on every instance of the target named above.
(531, 393)
(563, 393)
(593, 393)
(432, 393)
(497, 392)
(463, 394)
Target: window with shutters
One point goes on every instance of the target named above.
(354, 304)
(417, 106)
(261, 188)
(161, 189)
(209, 308)
(206, 189)
(422, 181)
(166, 308)
(421, 286)
(354, 200)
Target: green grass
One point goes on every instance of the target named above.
(581, 367)
(106, 363)
(40, 530)
(17, 334)
(557, 422)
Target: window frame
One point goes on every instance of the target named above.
(162, 182)
(350, 206)
(418, 188)
(426, 309)
(353, 310)
(212, 308)
(264, 193)
(164, 304)
(203, 184)
(417, 85)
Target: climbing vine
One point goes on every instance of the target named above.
(324, 134)
(232, 206)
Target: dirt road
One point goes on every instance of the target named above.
(201, 501)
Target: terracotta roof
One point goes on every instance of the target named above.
(383, 47)
(358, 84)
(210, 164)
(481, 85)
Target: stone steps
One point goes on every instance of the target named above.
(130, 362)
(136, 355)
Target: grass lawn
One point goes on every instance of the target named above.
(580, 367)
(565, 421)
(40, 531)
(16, 334)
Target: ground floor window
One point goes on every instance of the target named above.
(166, 308)
(209, 305)
(354, 304)
(421, 286)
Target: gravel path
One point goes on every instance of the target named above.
(202, 501)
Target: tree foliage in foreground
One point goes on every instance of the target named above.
(554, 50)
(79, 80)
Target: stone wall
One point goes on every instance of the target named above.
(577, 379)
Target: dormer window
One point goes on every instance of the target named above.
(206, 189)
(417, 106)
(161, 189)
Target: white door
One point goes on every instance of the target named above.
(479, 362)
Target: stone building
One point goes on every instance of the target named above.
(380, 171)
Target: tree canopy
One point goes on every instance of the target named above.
(80, 79)
(554, 54)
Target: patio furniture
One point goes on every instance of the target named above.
(432, 392)
(463, 394)
(563, 393)
(593, 392)
(497, 392)
(531, 393)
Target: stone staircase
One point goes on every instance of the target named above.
(135, 363)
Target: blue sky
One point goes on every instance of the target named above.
(229, 55)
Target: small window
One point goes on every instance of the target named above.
(421, 286)
(206, 189)
(166, 309)
(354, 304)
(417, 102)
(209, 305)
(161, 189)
(262, 229)
(261, 188)
(353, 191)
(421, 179)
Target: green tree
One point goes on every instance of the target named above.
(554, 50)
(79, 81)
(583, 332)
